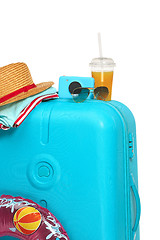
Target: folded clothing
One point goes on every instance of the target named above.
(13, 114)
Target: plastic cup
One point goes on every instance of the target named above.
(102, 71)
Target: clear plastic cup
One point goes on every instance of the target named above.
(102, 71)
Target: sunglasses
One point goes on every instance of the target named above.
(81, 94)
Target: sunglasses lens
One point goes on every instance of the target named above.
(80, 94)
(101, 93)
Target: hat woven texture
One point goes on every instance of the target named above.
(16, 83)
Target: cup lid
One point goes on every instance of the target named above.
(102, 62)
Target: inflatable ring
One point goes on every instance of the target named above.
(21, 218)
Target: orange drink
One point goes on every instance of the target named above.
(102, 71)
(104, 79)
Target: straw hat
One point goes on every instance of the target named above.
(16, 83)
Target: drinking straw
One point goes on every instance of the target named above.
(100, 44)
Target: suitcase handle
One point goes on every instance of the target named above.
(138, 205)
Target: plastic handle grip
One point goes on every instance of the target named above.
(138, 204)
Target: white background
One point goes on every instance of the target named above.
(60, 38)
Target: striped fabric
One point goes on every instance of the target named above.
(25, 112)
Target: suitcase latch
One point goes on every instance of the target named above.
(131, 147)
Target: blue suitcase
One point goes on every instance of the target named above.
(80, 162)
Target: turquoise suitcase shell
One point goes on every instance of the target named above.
(79, 161)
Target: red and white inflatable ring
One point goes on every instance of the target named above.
(21, 218)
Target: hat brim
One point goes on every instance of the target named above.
(39, 88)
